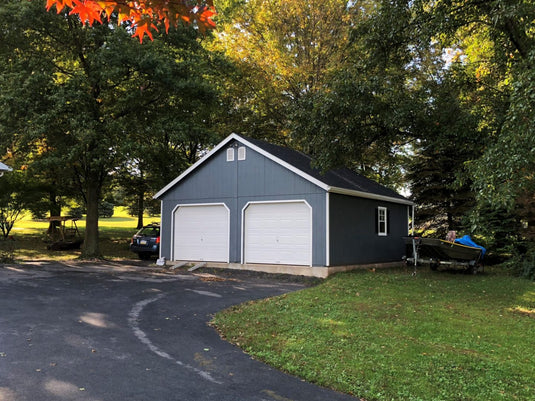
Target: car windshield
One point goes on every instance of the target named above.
(149, 231)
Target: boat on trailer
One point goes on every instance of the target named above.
(437, 252)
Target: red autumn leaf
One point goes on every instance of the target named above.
(143, 29)
(87, 11)
(144, 14)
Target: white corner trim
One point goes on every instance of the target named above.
(327, 230)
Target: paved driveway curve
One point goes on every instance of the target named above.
(95, 336)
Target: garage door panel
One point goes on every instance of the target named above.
(201, 233)
(278, 233)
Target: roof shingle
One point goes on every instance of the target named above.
(343, 178)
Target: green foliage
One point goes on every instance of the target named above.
(391, 336)
(7, 250)
(78, 104)
(282, 50)
(15, 197)
(474, 150)
(105, 209)
(504, 173)
(528, 266)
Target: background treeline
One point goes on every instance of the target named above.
(435, 98)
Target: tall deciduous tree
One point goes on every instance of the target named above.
(15, 195)
(283, 49)
(96, 94)
(495, 40)
(414, 44)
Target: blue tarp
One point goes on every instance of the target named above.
(466, 240)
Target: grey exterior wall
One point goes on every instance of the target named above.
(236, 183)
(352, 235)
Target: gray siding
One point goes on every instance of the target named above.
(236, 183)
(353, 238)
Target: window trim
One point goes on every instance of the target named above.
(382, 217)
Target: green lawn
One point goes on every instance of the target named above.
(115, 234)
(391, 336)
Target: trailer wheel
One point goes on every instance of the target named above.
(434, 266)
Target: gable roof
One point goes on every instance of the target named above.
(341, 181)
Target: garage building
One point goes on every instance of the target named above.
(254, 205)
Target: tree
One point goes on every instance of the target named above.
(282, 49)
(502, 175)
(141, 14)
(403, 52)
(439, 181)
(100, 94)
(15, 195)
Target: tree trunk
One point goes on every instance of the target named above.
(55, 210)
(91, 248)
(140, 208)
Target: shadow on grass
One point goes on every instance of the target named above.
(114, 244)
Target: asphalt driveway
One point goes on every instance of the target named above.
(96, 334)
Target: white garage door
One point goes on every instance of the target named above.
(278, 233)
(201, 233)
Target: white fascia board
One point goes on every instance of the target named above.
(195, 165)
(282, 163)
(253, 147)
(3, 167)
(368, 195)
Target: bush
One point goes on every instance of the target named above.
(522, 261)
(76, 212)
(528, 266)
(105, 209)
(7, 250)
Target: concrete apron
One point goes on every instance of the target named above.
(308, 271)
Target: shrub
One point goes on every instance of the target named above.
(105, 209)
(7, 250)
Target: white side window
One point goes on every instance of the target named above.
(382, 223)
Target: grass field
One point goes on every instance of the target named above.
(115, 234)
(391, 336)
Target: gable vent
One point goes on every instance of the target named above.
(241, 153)
(230, 154)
